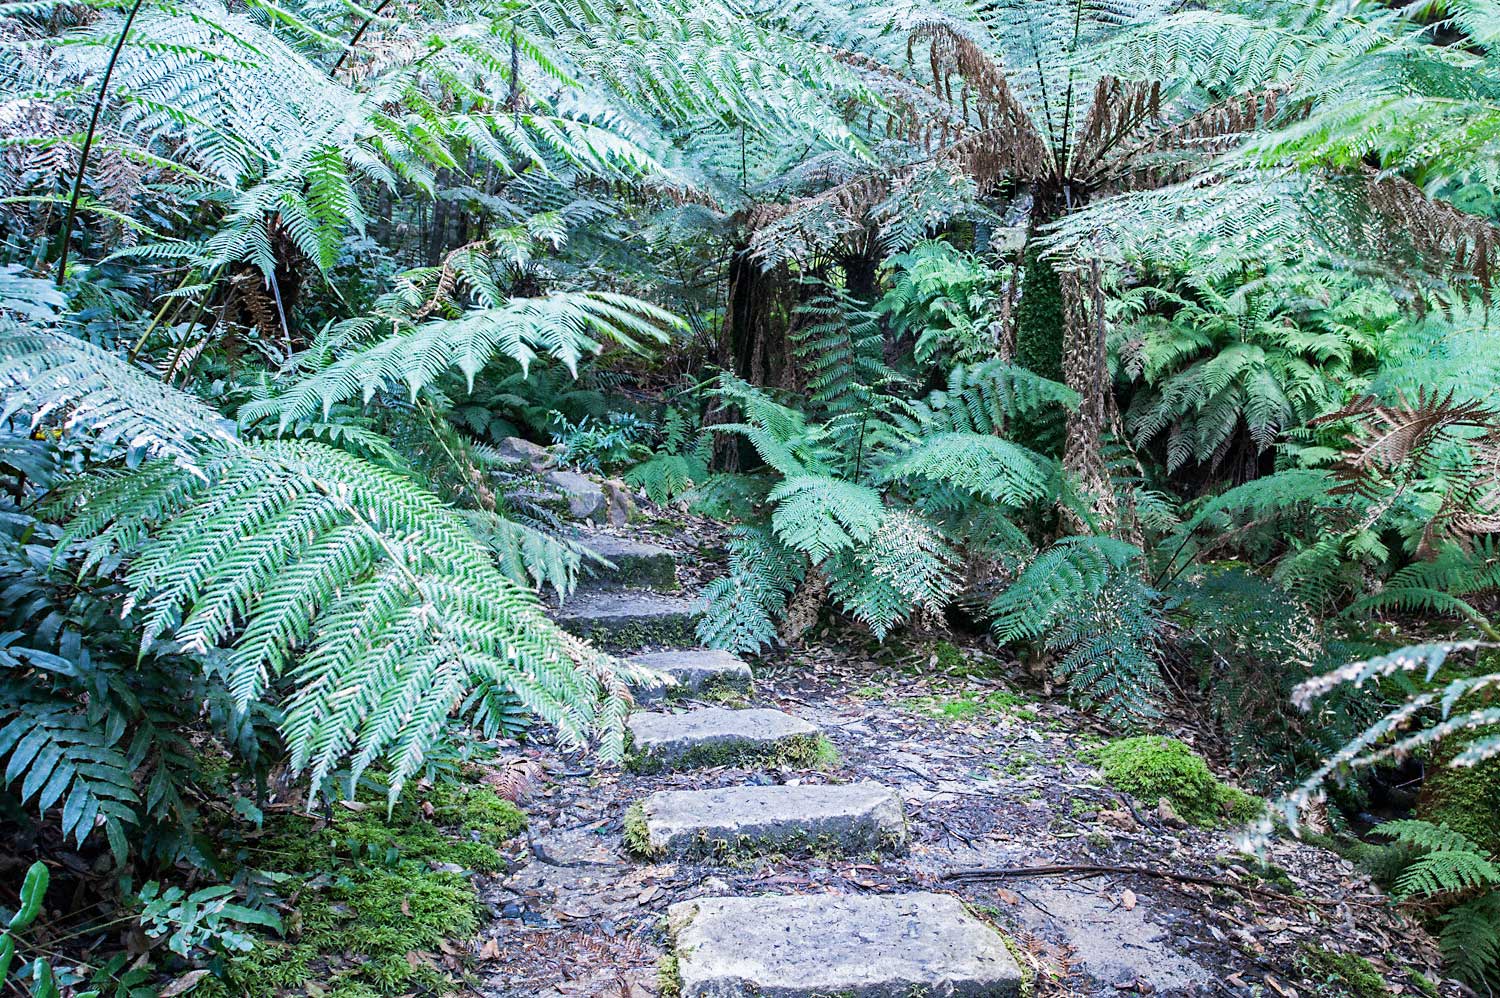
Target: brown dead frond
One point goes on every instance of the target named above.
(1436, 229)
(1386, 437)
(1172, 154)
(514, 778)
(982, 91)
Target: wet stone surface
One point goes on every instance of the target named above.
(851, 818)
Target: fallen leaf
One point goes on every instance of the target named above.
(183, 984)
(355, 805)
(647, 894)
(490, 950)
(1127, 899)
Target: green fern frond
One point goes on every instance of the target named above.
(982, 465)
(819, 515)
(1073, 569)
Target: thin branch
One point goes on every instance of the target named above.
(88, 142)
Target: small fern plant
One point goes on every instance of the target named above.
(1457, 882)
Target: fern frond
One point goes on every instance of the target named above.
(819, 515)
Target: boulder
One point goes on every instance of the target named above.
(619, 503)
(523, 453)
(585, 496)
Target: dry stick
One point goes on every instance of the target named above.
(357, 35)
(88, 142)
(1062, 869)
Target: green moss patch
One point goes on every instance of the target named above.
(1346, 975)
(1150, 767)
(378, 902)
(972, 706)
(637, 836)
(1465, 798)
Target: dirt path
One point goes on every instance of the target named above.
(989, 778)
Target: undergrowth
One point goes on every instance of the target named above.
(382, 906)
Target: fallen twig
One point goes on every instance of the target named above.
(1062, 869)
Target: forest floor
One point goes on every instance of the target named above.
(990, 778)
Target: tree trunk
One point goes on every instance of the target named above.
(756, 321)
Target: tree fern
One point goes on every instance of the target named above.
(565, 326)
(53, 376)
(357, 587)
(906, 567)
(344, 581)
(741, 609)
(1108, 645)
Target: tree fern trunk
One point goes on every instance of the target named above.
(1039, 317)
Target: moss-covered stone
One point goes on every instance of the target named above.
(1465, 798)
(1347, 975)
(1151, 767)
(796, 752)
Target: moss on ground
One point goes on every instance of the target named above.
(668, 977)
(970, 706)
(1345, 975)
(376, 899)
(637, 837)
(1151, 767)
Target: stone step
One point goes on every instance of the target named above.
(716, 736)
(700, 670)
(636, 563)
(861, 946)
(629, 620)
(850, 817)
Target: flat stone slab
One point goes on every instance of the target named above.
(716, 736)
(636, 563)
(860, 946)
(627, 620)
(701, 670)
(851, 817)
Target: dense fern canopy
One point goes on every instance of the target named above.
(1146, 351)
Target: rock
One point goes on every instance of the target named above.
(852, 817)
(714, 736)
(636, 563)
(1168, 814)
(863, 946)
(703, 670)
(516, 451)
(1109, 942)
(585, 496)
(619, 504)
(627, 621)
